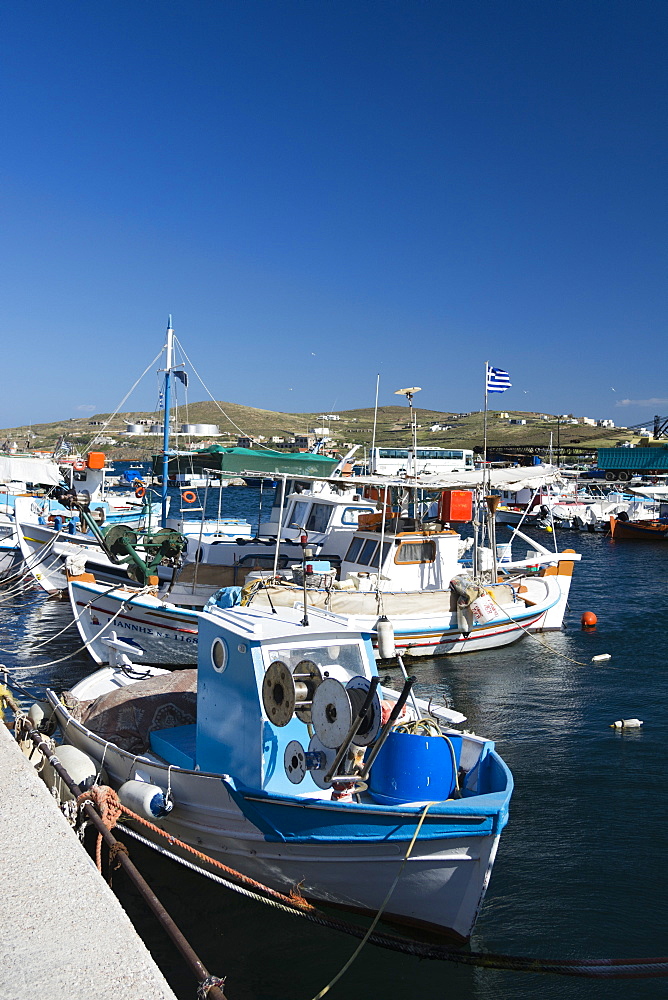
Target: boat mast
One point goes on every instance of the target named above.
(169, 351)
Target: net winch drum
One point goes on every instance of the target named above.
(326, 757)
(294, 762)
(331, 713)
(414, 768)
(335, 706)
(316, 761)
(285, 693)
(358, 689)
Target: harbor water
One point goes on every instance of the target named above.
(580, 871)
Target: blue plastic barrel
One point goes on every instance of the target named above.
(413, 768)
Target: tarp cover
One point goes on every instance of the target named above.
(127, 715)
(29, 470)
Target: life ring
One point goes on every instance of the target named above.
(189, 496)
(140, 492)
(137, 482)
(79, 465)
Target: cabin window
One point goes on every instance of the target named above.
(319, 517)
(219, 655)
(257, 561)
(298, 515)
(368, 549)
(351, 514)
(416, 552)
(346, 656)
(353, 549)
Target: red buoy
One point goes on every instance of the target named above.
(589, 619)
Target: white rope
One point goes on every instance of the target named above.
(80, 649)
(129, 393)
(215, 401)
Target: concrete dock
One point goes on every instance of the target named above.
(64, 934)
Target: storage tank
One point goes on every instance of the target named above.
(135, 429)
(201, 430)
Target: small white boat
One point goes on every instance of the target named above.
(279, 761)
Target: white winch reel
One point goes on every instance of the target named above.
(286, 693)
(332, 710)
(317, 761)
(335, 706)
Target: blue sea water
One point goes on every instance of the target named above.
(580, 871)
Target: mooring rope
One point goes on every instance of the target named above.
(596, 968)
(80, 649)
(27, 567)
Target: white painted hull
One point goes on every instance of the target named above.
(167, 635)
(441, 887)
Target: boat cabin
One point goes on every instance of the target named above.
(326, 511)
(257, 681)
(410, 560)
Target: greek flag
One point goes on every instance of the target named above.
(497, 380)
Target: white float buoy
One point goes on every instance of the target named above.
(42, 717)
(626, 724)
(385, 632)
(80, 767)
(145, 798)
(601, 658)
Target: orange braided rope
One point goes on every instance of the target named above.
(108, 805)
(111, 809)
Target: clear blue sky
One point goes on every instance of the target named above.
(320, 191)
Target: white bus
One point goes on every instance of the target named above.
(430, 461)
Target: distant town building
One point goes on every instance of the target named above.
(517, 420)
(605, 423)
(304, 441)
(589, 421)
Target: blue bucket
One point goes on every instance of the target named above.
(413, 768)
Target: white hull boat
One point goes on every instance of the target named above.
(247, 792)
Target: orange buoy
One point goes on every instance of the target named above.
(589, 619)
(189, 496)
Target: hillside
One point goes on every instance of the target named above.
(353, 426)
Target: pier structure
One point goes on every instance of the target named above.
(65, 936)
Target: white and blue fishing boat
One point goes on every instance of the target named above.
(282, 757)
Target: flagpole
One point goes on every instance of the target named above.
(484, 450)
(489, 506)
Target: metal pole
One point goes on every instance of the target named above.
(375, 421)
(165, 427)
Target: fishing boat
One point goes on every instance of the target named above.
(414, 578)
(651, 530)
(423, 586)
(282, 757)
(31, 489)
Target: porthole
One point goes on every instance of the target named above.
(219, 655)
